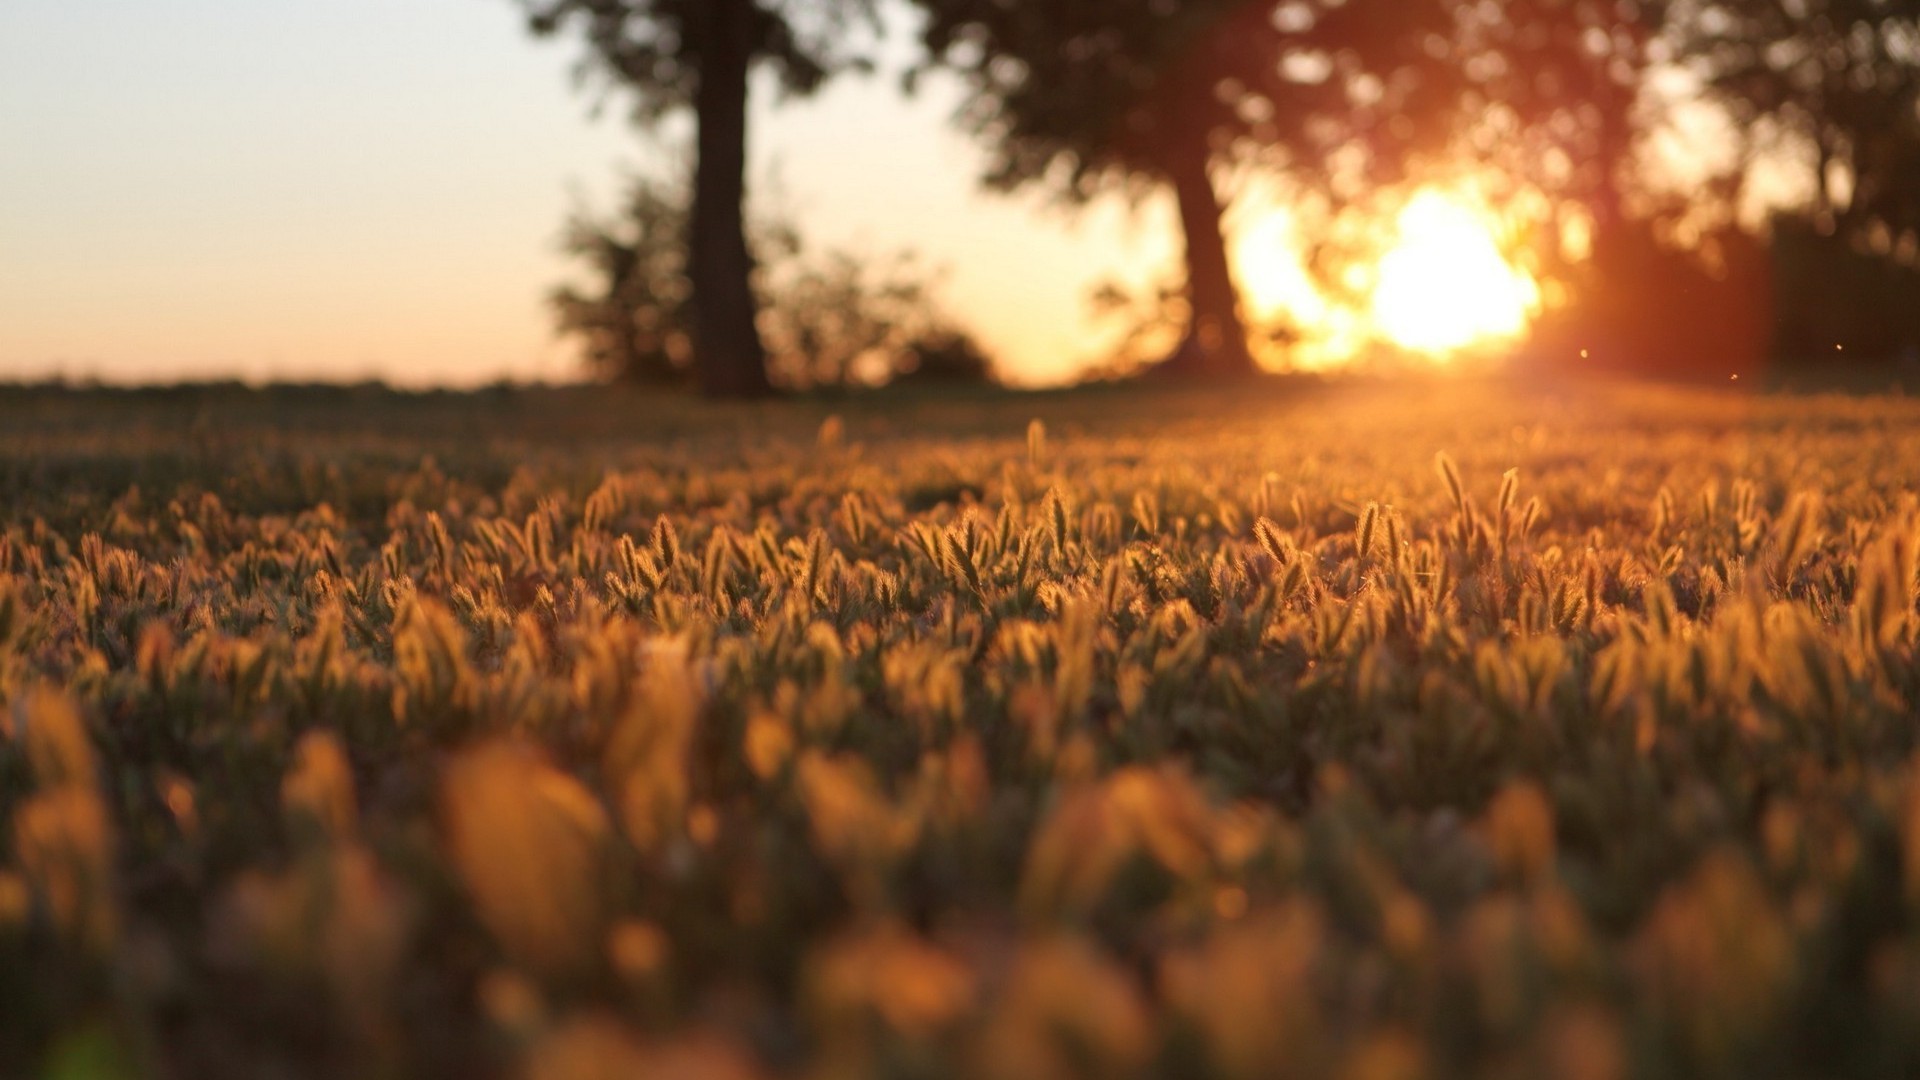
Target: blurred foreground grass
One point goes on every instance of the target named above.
(1368, 731)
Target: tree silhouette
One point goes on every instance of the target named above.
(829, 317)
(1565, 90)
(697, 55)
(1836, 80)
(1135, 94)
(630, 316)
(1556, 102)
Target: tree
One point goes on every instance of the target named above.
(1830, 89)
(1141, 94)
(696, 56)
(1836, 80)
(829, 317)
(631, 317)
(1568, 90)
(1558, 99)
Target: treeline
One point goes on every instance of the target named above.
(1791, 226)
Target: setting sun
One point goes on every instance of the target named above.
(1445, 285)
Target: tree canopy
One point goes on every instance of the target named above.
(1835, 83)
(1340, 101)
(1148, 94)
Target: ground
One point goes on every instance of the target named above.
(1451, 728)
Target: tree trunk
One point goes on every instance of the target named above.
(729, 358)
(1216, 340)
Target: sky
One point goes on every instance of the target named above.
(348, 189)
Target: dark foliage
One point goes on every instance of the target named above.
(1142, 95)
(829, 318)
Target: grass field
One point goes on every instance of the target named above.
(1367, 731)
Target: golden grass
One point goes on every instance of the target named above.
(1372, 731)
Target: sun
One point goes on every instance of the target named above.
(1444, 285)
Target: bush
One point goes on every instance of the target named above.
(829, 317)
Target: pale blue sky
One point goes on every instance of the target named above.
(349, 188)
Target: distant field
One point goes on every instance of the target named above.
(1355, 730)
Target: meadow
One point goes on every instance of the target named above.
(1362, 730)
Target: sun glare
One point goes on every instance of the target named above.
(1445, 285)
